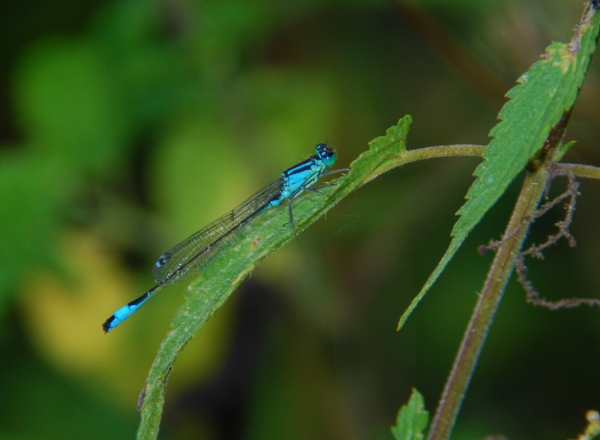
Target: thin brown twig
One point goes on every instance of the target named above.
(536, 250)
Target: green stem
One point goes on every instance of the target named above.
(587, 171)
(483, 315)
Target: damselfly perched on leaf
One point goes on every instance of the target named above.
(186, 259)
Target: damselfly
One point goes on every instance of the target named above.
(188, 257)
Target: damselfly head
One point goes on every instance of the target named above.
(326, 154)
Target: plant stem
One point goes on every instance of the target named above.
(487, 304)
(587, 171)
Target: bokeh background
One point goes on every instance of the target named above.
(126, 125)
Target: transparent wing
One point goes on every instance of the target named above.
(187, 258)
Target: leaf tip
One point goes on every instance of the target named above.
(412, 419)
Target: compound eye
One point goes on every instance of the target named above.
(324, 151)
(330, 159)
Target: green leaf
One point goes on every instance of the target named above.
(544, 94)
(412, 419)
(562, 150)
(267, 234)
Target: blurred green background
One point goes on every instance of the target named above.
(127, 125)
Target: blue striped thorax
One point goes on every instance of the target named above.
(299, 177)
